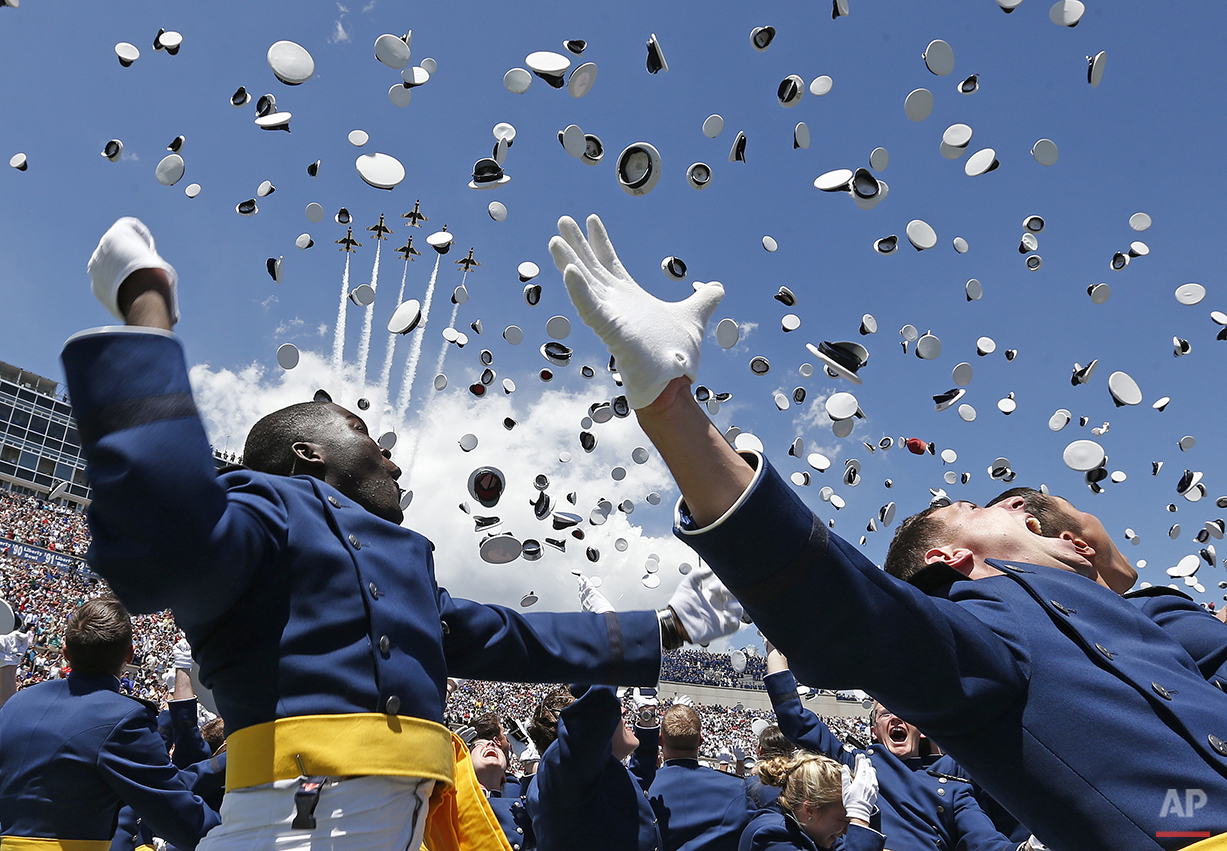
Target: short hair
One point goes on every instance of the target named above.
(269, 446)
(913, 539)
(804, 777)
(543, 728)
(98, 636)
(487, 725)
(680, 728)
(773, 743)
(1053, 521)
(213, 732)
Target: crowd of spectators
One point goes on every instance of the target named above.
(725, 729)
(27, 519)
(700, 667)
(45, 596)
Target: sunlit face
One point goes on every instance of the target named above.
(895, 734)
(1110, 565)
(1114, 569)
(1011, 535)
(624, 740)
(357, 466)
(489, 763)
(823, 824)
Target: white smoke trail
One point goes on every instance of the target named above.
(364, 345)
(338, 341)
(411, 367)
(446, 345)
(387, 361)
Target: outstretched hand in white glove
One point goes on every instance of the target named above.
(125, 248)
(704, 607)
(861, 790)
(590, 598)
(13, 647)
(652, 341)
(182, 652)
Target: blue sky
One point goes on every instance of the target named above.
(1145, 140)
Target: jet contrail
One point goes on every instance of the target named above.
(411, 366)
(387, 361)
(364, 345)
(443, 351)
(338, 341)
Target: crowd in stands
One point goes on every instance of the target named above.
(45, 596)
(700, 667)
(27, 519)
(725, 729)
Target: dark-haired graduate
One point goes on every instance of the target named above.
(72, 751)
(314, 615)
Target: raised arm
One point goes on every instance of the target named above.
(656, 346)
(800, 726)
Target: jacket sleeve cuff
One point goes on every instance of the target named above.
(768, 518)
(781, 687)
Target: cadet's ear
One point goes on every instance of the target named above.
(1084, 549)
(308, 458)
(960, 558)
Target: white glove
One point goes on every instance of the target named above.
(591, 599)
(683, 700)
(1033, 844)
(861, 792)
(182, 653)
(705, 608)
(640, 700)
(13, 648)
(168, 679)
(125, 248)
(652, 341)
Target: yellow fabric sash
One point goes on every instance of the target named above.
(460, 816)
(1214, 843)
(364, 743)
(34, 843)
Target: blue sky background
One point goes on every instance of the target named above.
(1147, 139)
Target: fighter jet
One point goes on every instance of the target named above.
(380, 230)
(414, 216)
(348, 243)
(407, 251)
(467, 263)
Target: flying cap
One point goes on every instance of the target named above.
(291, 62)
(639, 168)
(549, 66)
(486, 485)
(656, 57)
(844, 358)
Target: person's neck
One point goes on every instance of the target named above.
(670, 754)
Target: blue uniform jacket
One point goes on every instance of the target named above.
(295, 599)
(1198, 631)
(583, 798)
(511, 810)
(71, 750)
(917, 810)
(1069, 705)
(774, 830)
(206, 778)
(1001, 818)
(698, 808)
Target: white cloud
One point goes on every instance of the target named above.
(289, 326)
(271, 300)
(437, 471)
(339, 32)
